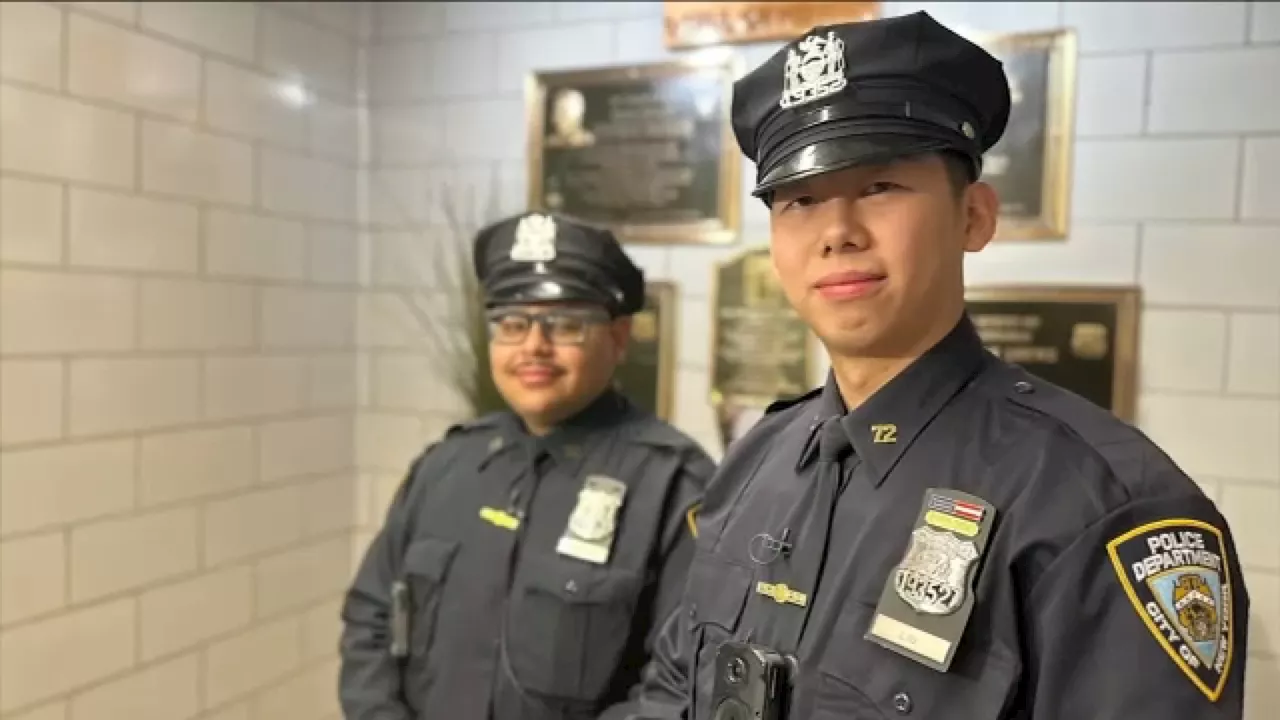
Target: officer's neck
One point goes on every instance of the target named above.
(587, 411)
(859, 376)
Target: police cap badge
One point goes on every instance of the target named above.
(868, 92)
(543, 257)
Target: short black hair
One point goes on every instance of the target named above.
(961, 173)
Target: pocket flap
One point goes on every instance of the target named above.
(429, 557)
(578, 584)
(976, 686)
(717, 591)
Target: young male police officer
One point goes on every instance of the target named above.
(934, 534)
(529, 557)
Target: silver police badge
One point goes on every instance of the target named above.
(591, 527)
(535, 240)
(932, 576)
(815, 72)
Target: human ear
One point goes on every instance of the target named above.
(982, 213)
(620, 330)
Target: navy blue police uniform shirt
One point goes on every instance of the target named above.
(520, 577)
(971, 542)
(501, 624)
(1109, 587)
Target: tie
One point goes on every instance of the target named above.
(804, 566)
(833, 442)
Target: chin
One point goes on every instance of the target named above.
(534, 401)
(849, 339)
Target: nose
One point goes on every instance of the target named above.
(840, 230)
(536, 342)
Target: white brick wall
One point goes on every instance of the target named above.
(210, 375)
(1177, 187)
(179, 277)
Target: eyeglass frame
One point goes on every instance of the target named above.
(543, 319)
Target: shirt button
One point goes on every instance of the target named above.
(1023, 387)
(693, 610)
(902, 703)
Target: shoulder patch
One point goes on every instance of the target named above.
(778, 405)
(1176, 574)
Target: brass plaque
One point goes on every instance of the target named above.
(761, 351)
(647, 375)
(1084, 339)
(1030, 167)
(646, 150)
(694, 24)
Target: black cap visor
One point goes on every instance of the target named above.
(552, 288)
(839, 145)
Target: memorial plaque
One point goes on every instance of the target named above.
(646, 150)
(1030, 167)
(694, 24)
(647, 375)
(1084, 339)
(760, 349)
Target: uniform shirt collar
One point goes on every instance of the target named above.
(884, 426)
(565, 442)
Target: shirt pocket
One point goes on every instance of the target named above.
(859, 680)
(717, 594)
(426, 566)
(569, 627)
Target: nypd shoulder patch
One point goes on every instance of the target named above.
(1175, 572)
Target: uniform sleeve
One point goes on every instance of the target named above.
(1143, 617)
(680, 540)
(369, 680)
(662, 693)
(664, 615)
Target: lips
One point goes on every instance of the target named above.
(850, 284)
(536, 374)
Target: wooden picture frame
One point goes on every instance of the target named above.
(1083, 338)
(646, 150)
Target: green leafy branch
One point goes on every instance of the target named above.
(451, 324)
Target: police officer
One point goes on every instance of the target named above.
(527, 560)
(935, 533)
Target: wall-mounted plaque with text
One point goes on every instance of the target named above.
(645, 150)
(694, 24)
(647, 376)
(1030, 167)
(1084, 339)
(760, 348)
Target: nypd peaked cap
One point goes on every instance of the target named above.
(865, 93)
(538, 257)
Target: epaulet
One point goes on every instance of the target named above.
(1097, 426)
(480, 423)
(779, 405)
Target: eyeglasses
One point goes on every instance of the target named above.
(559, 327)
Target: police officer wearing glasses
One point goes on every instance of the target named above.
(935, 534)
(527, 560)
